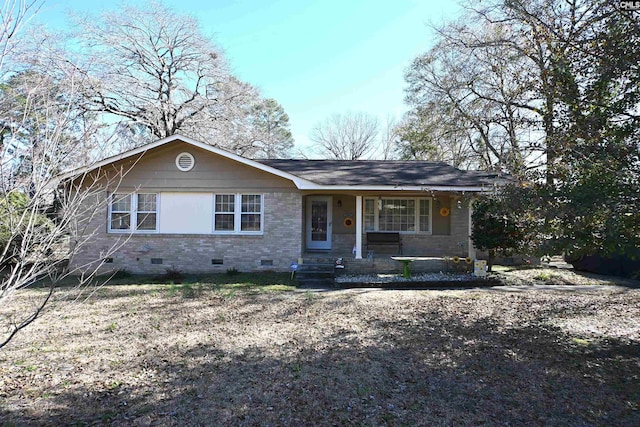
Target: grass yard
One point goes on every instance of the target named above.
(237, 354)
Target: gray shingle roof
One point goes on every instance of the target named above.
(382, 172)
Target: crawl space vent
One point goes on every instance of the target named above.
(185, 162)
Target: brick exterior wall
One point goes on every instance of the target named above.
(189, 253)
(343, 243)
(280, 244)
(454, 244)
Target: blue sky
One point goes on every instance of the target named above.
(316, 58)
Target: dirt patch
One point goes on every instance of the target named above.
(146, 355)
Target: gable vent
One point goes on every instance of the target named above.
(185, 162)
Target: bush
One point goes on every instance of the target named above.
(505, 222)
(171, 275)
(232, 271)
(121, 273)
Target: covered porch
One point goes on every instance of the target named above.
(427, 223)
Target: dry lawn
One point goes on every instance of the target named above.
(194, 355)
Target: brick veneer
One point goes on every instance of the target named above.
(280, 243)
(454, 244)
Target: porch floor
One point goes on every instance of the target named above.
(381, 263)
(346, 254)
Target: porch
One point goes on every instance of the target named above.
(435, 225)
(383, 264)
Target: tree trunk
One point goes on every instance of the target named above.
(492, 255)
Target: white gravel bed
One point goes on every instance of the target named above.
(397, 277)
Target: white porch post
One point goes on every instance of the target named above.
(358, 227)
(472, 249)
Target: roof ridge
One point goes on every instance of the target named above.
(360, 161)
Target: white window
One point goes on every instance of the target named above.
(133, 212)
(120, 216)
(397, 215)
(406, 215)
(251, 213)
(224, 212)
(370, 215)
(238, 213)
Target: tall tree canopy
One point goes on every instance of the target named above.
(155, 70)
(500, 74)
(548, 91)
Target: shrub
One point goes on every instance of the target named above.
(121, 273)
(172, 275)
(505, 222)
(232, 271)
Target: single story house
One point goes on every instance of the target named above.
(183, 204)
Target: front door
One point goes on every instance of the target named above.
(319, 222)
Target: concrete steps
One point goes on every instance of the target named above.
(316, 274)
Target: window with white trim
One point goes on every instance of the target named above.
(147, 212)
(120, 215)
(251, 213)
(406, 215)
(369, 214)
(137, 212)
(224, 212)
(238, 213)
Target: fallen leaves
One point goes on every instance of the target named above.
(367, 357)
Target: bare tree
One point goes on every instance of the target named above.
(436, 137)
(462, 86)
(389, 139)
(501, 70)
(349, 136)
(14, 14)
(41, 135)
(153, 67)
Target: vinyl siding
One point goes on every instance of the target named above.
(156, 171)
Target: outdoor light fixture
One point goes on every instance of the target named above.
(339, 203)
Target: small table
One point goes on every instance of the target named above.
(406, 260)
